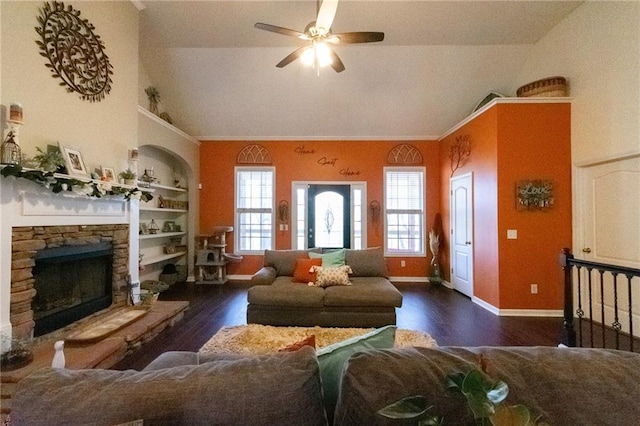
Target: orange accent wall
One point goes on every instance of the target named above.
(509, 143)
(313, 161)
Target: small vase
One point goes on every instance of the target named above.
(435, 275)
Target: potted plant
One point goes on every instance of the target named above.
(128, 176)
(50, 160)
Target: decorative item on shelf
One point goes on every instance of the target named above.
(108, 174)
(75, 53)
(161, 204)
(435, 274)
(459, 152)
(534, 195)
(169, 249)
(177, 177)
(144, 229)
(491, 96)
(133, 160)
(15, 113)
(50, 160)
(73, 160)
(154, 99)
(169, 226)
(166, 117)
(11, 153)
(546, 87)
(153, 227)
(128, 176)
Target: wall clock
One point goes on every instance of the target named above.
(75, 53)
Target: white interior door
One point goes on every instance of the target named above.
(462, 233)
(608, 231)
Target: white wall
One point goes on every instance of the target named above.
(597, 48)
(103, 131)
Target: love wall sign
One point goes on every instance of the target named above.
(534, 195)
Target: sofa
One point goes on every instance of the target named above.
(561, 386)
(370, 300)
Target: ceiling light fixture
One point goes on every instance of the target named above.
(317, 55)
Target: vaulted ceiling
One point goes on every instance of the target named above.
(217, 77)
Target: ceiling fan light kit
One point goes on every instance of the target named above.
(320, 51)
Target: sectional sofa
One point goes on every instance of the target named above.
(277, 298)
(559, 386)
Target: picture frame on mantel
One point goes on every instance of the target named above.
(108, 174)
(73, 160)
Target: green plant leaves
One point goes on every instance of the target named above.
(406, 408)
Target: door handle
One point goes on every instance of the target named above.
(586, 250)
(468, 243)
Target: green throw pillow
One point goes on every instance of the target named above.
(331, 258)
(332, 358)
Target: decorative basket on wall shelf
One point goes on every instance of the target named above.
(547, 87)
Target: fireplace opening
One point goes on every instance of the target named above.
(71, 282)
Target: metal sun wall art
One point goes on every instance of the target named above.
(534, 195)
(75, 53)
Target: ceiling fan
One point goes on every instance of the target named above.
(319, 52)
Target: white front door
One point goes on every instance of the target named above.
(462, 233)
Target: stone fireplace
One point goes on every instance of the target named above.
(35, 224)
(58, 274)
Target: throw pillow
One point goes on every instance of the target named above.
(303, 272)
(307, 341)
(332, 358)
(369, 262)
(326, 277)
(331, 258)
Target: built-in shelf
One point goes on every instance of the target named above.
(161, 209)
(162, 235)
(157, 259)
(159, 186)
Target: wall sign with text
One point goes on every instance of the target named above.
(534, 195)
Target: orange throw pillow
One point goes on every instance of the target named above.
(301, 273)
(307, 341)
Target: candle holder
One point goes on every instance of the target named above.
(10, 151)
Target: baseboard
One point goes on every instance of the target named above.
(548, 313)
(240, 277)
(409, 279)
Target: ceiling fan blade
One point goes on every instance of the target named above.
(279, 30)
(291, 57)
(336, 63)
(360, 37)
(326, 14)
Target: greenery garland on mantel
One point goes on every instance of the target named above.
(65, 183)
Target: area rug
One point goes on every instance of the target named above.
(256, 339)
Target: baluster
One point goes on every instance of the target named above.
(616, 323)
(580, 311)
(629, 276)
(603, 321)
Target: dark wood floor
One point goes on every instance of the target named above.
(448, 316)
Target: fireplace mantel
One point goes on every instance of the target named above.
(24, 203)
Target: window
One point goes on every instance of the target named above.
(404, 211)
(254, 208)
